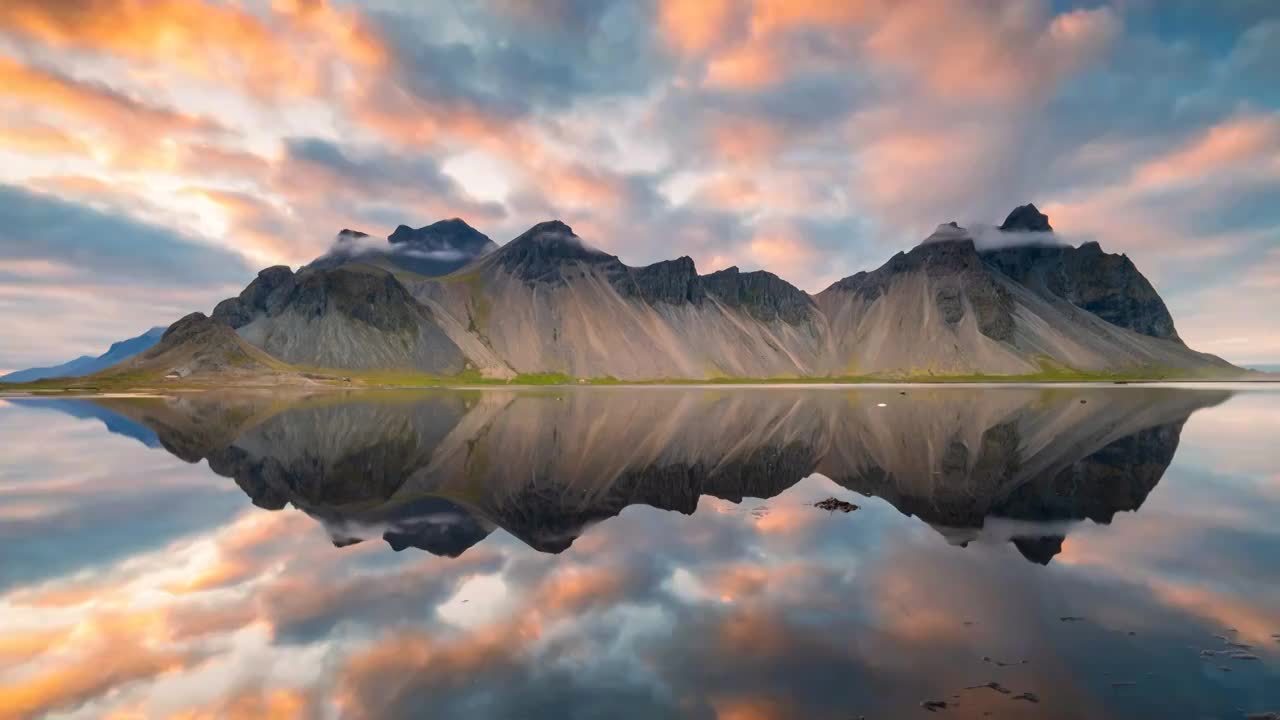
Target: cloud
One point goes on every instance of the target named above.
(106, 246)
(93, 103)
(205, 40)
(656, 129)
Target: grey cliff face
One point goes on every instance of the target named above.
(377, 299)
(671, 281)
(958, 272)
(1109, 286)
(266, 294)
(764, 295)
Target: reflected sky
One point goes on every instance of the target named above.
(587, 553)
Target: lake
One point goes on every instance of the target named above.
(1016, 552)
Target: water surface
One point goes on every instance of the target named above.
(1096, 552)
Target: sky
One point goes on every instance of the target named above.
(155, 155)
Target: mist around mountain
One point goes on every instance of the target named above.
(444, 301)
(87, 365)
(442, 470)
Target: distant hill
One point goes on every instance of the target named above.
(86, 365)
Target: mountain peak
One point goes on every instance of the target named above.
(543, 251)
(548, 227)
(948, 232)
(450, 234)
(1027, 218)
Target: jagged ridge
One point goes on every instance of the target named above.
(549, 302)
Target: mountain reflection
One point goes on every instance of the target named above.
(439, 471)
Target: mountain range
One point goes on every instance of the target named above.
(444, 300)
(87, 365)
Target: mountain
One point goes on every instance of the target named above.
(199, 347)
(86, 365)
(354, 316)
(549, 302)
(441, 471)
(436, 249)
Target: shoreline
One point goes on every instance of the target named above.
(322, 388)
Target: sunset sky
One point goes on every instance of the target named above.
(155, 154)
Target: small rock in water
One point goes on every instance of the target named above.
(1242, 646)
(934, 705)
(1224, 668)
(1082, 402)
(835, 505)
(993, 685)
(1029, 697)
(997, 663)
(1242, 656)
(1071, 618)
(1262, 716)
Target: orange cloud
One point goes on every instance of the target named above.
(744, 140)
(739, 708)
(749, 66)
(94, 673)
(33, 87)
(780, 15)
(995, 52)
(695, 26)
(206, 40)
(1226, 146)
(41, 140)
(252, 705)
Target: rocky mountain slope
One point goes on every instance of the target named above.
(548, 302)
(198, 347)
(87, 365)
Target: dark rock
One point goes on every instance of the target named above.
(546, 251)
(763, 295)
(934, 705)
(376, 298)
(265, 295)
(835, 505)
(1027, 218)
(1109, 286)
(672, 281)
(1039, 550)
(959, 272)
(1028, 696)
(991, 686)
(431, 250)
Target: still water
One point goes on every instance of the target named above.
(1074, 552)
